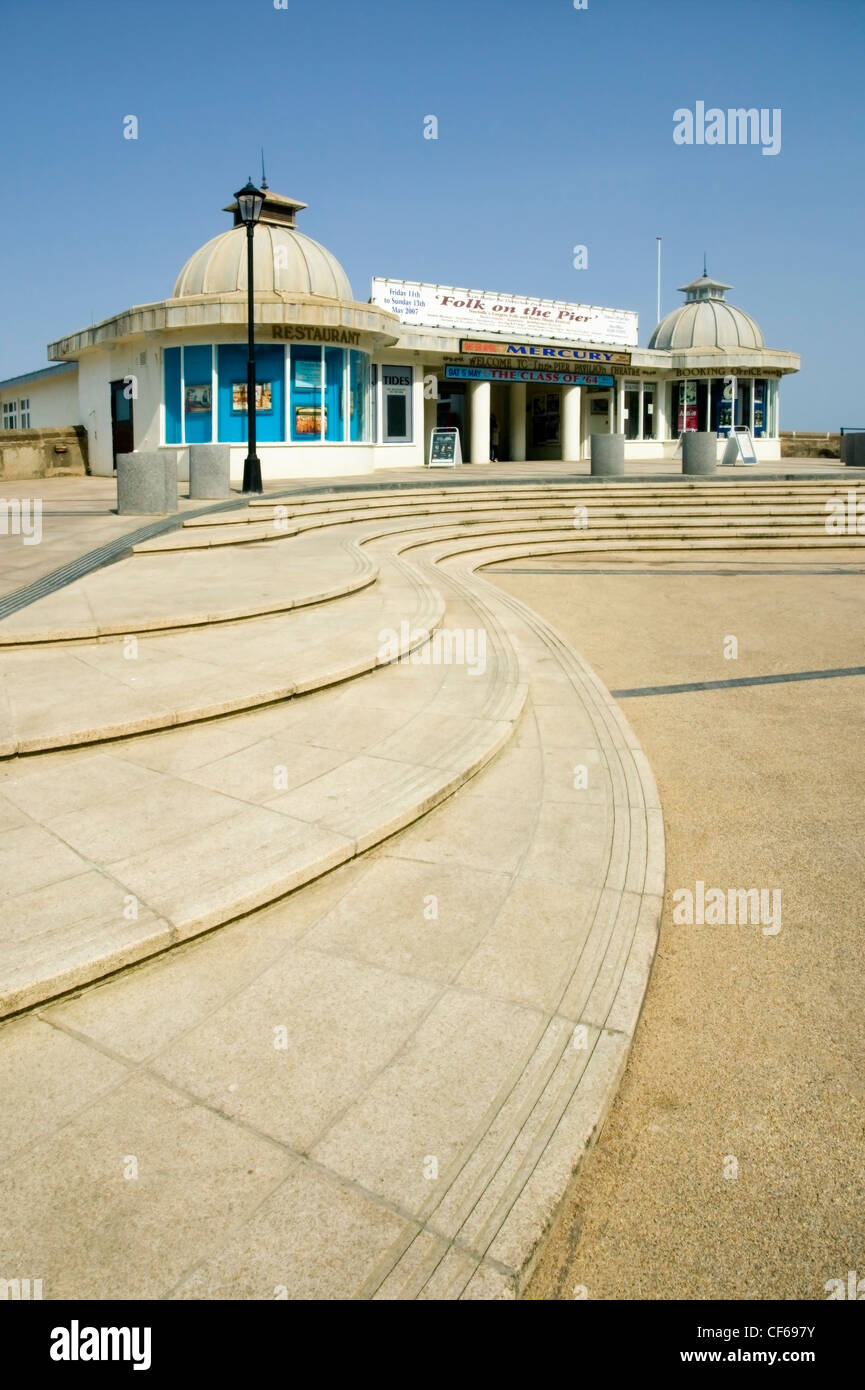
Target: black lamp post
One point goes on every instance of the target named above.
(249, 202)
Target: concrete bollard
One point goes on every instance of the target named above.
(209, 466)
(699, 453)
(147, 483)
(608, 455)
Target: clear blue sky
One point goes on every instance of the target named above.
(555, 129)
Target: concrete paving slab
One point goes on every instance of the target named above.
(393, 1060)
(146, 1185)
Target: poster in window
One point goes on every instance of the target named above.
(397, 383)
(688, 412)
(307, 373)
(263, 397)
(310, 419)
(199, 398)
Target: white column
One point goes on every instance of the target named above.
(517, 421)
(570, 423)
(660, 411)
(430, 415)
(617, 426)
(479, 421)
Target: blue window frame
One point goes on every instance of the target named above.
(269, 378)
(197, 394)
(359, 397)
(334, 376)
(328, 395)
(173, 421)
(306, 388)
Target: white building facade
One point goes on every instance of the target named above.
(347, 388)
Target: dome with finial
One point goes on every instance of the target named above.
(285, 261)
(706, 320)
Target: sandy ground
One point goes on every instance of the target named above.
(750, 1045)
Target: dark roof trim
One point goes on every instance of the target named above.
(44, 372)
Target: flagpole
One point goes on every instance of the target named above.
(658, 239)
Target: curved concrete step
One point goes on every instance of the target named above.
(178, 591)
(113, 689)
(291, 520)
(138, 846)
(491, 1039)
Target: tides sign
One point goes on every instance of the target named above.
(480, 311)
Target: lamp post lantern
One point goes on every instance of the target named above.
(249, 203)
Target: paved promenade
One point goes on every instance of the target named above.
(415, 947)
(331, 885)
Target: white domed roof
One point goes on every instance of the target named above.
(284, 259)
(706, 320)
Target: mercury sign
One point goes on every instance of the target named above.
(479, 311)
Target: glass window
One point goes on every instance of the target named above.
(359, 379)
(24, 408)
(632, 410)
(649, 412)
(724, 391)
(334, 376)
(396, 387)
(10, 415)
(173, 419)
(759, 408)
(198, 394)
(233, 374)
(306, 389)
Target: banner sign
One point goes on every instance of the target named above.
(516, 374)
(468, 345)
(648, 374)
(444, 448)
(740, 371)
(445, 306)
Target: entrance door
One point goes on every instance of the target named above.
(122, 441)
(451, 410)
(597, 410)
